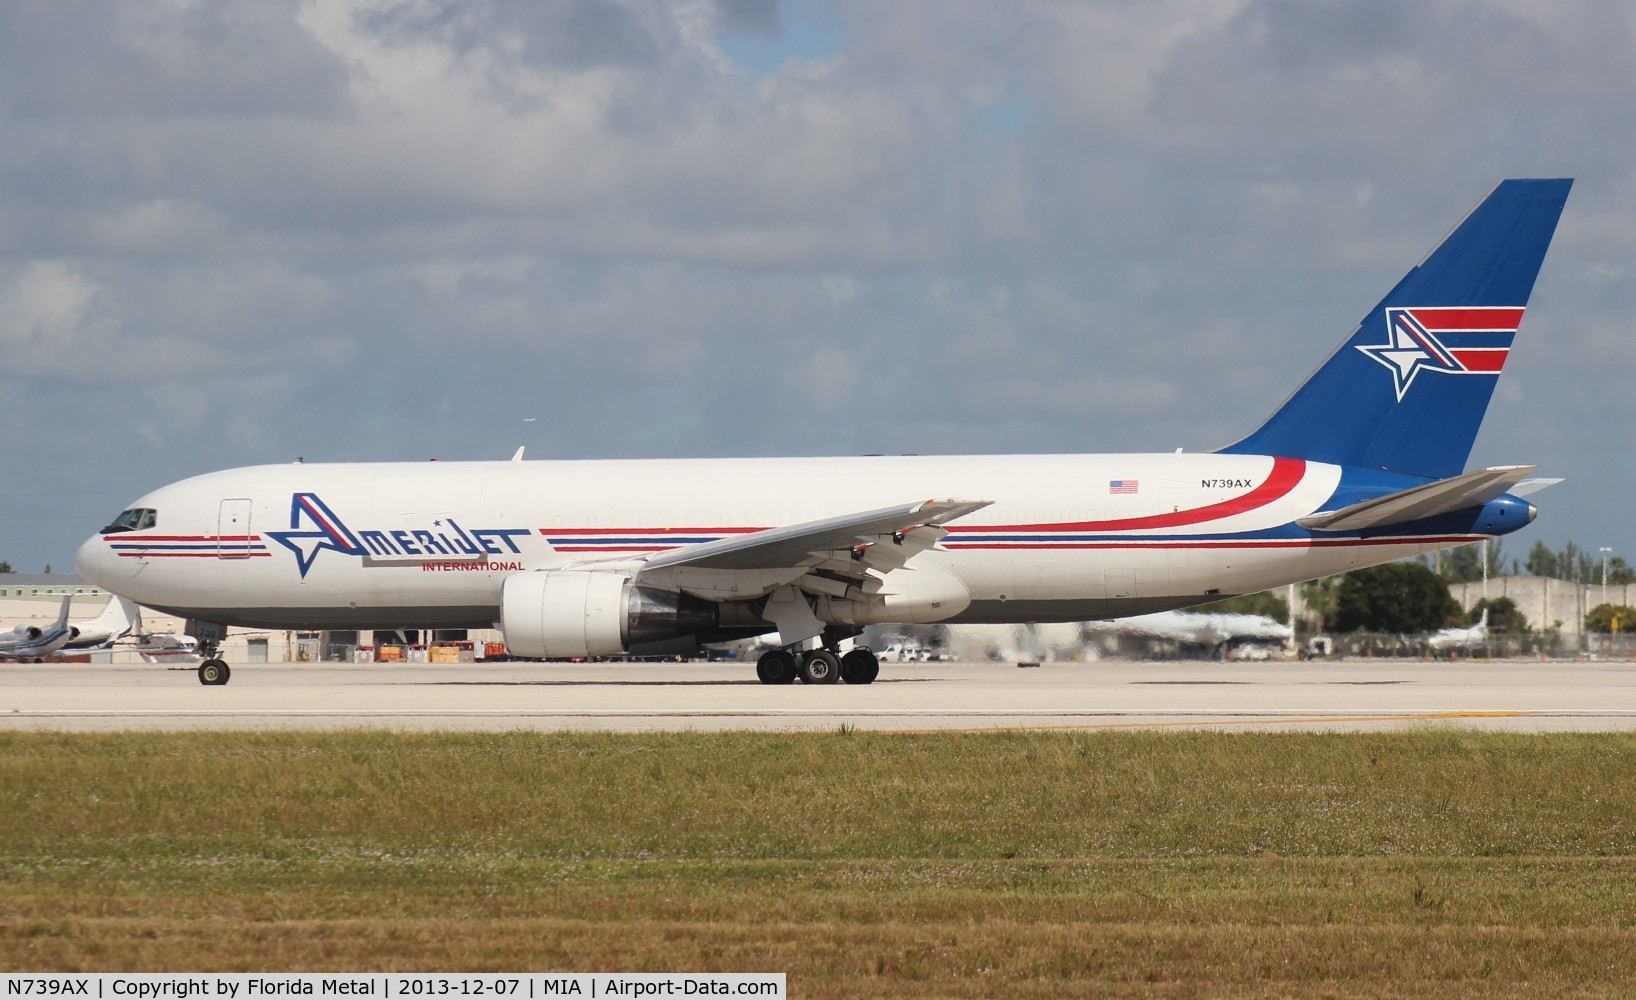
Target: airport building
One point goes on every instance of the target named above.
(1547, 603)
(49, 587)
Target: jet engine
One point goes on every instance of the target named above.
(569, 613)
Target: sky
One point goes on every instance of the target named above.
(240, 231)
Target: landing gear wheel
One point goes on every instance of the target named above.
(776, 666)
(820, 666)
(214, 672)
(860, 666)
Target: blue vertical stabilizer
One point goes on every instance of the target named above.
(1407, 391)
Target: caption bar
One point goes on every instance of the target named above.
(397, 986)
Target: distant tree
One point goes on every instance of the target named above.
(1503, 616)
(1541, 560)
(1319, 597)
(1611, 618)
(1397, 597)
(1465, 564)
(1265, 603)
(1573, 563)
(1462, 565)
(5, 567)
(48, 567)
(1620, 572)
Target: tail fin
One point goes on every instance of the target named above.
(62, 616)
(1407, 391)
(115, 618)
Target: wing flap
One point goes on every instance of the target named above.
(808, 543)
(831, 556)
(1473, 489)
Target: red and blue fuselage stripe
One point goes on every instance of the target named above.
(184, 546)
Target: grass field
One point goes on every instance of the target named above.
(1446, 862)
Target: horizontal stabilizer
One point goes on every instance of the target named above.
(1528, 486)
(1470, 490)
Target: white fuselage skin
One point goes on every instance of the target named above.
(429, 545)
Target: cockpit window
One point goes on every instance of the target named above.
(135, 519)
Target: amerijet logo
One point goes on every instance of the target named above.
(1450, 340)
(314, 528)
(325, 532)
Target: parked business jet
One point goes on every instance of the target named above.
(1362, 465)
(33, 642)
(1450, 639)
(114, 621)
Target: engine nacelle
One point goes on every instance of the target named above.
(569, 613)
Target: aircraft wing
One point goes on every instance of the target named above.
(823, 555)
(1473, 489)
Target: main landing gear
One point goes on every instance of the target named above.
(818, 666)
(213, 670)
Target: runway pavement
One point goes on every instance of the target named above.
(1348, 695)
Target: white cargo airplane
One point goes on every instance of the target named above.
(1362, 465)
(1199, 628)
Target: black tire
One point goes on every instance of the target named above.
(820, 666)
(776, 666)
(860, 666)
(214, 672)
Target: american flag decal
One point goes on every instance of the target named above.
(1122, 486)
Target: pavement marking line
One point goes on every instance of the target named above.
(1226, 716)
(1276, 721)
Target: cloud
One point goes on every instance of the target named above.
(103, 59)
(236, 232)
(43, 318)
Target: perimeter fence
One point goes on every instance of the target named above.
(1531, 645)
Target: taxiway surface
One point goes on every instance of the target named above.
(1350, 695)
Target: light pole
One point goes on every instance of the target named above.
(1604, 550)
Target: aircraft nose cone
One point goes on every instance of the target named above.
(92, 561)
(1533, 512)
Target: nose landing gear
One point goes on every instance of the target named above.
(213, 670)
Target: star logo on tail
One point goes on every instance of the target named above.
(1449, 340)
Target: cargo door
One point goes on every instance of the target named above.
(233, 530)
